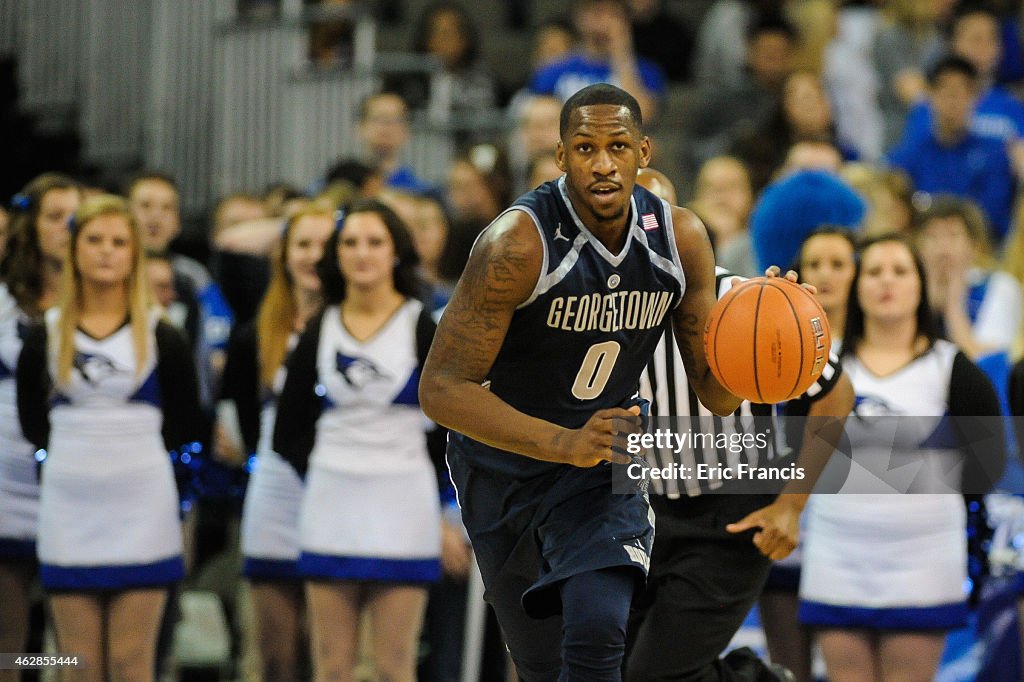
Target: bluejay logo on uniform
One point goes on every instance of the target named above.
(95, 368)
(873, 406)
(358, 372)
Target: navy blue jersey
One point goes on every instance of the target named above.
(582, 339)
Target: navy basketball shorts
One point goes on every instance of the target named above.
(531, 534)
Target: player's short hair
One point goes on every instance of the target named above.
(599, 93)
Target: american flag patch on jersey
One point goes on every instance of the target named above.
(649, 221)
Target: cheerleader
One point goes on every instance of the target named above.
(30, 274)
(883, 575)
(252, 379)
(370, 521)
(105, 386)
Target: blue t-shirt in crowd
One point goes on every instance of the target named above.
(565, 78)
(998, 114)
(405, 178)
(976, 167)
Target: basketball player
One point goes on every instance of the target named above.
(538, 353)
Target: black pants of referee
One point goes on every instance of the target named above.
(703, 582)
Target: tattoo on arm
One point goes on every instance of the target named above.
(687, 334)
(477, 318)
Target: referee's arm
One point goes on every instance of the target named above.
(779, 522)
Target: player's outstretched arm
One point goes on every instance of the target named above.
(691, 316)
(502, 272)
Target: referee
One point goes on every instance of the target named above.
(709, 563)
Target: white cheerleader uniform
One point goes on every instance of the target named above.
(19, 485)
(889, 560)
(109, 506)
(371, 510)
(270, 513)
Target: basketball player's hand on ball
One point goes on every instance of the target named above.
(593, 443)
(778, 528)
(776, 271)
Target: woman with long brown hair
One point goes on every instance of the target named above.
(29, 283)
(106, 387)
(253, 378)
(370, 523)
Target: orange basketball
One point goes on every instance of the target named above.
(767, 340)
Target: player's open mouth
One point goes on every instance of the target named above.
(604, 191)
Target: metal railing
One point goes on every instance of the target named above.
(224, 105)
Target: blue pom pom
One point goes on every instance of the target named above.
(21, 202)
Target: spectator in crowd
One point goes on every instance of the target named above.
(370, 521)
(607, 54)
(827, 261)
(851, 79)
(977, 38)
(724, 200)
(253, 379)
(821, 156)
(536, 134)
(977, 307)
(332, 34)
(243, 278)
(383, 129)
(110, 539)
(30, 273)
(662, 38)
(235, 208)
(153, 199)
(429, 233)
(793, 207)
(816, 22)
(160, 274)
(279, 198)
(552, 41)
(907, 45)
(722, 49)
(953, 159)
(883, 592)
(725, 111)
(803, 114)
(445, 30)
(889, 196)
(478, 184)
(364, 179)
(38, 238)
(543, 168)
